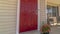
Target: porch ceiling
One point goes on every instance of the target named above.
(55, 2)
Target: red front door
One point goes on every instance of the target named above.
(28, 15)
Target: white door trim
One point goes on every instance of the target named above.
(38, 15)
(18, 17)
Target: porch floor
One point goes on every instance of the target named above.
(31, 32)
(54, 30)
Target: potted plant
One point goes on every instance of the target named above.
(45, 29)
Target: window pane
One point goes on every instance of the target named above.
(54, 9)
(49, 11)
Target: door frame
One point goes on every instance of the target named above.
(18, 16)
(38, 15)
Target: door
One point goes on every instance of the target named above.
(28, 15)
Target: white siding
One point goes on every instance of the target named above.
(8, 16)
(43, 11)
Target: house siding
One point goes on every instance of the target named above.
(8, 16)
(43, 14)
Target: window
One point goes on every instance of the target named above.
(52, 11)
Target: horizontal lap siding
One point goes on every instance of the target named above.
(43, 14)
(8, 16)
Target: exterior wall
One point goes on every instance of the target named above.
(43, 14)
(8, 16)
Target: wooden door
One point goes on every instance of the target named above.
(28, 15)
